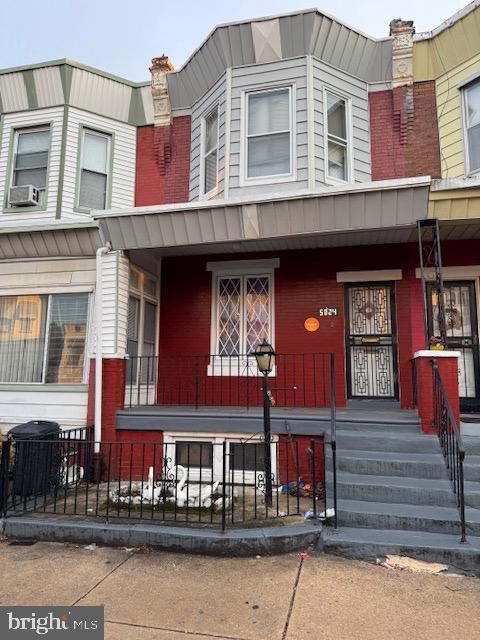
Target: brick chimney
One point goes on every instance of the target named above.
(402, 52)
(162, 110)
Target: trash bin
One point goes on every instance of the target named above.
(37, 457)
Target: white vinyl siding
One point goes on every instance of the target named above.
(51, 118)
(94, 169)
(123, 149)
(471, 110)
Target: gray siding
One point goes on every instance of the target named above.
(325, 76)
(216, 96)
(250, 78)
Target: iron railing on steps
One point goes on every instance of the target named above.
(450, 442)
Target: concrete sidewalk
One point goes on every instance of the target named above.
(159, 596)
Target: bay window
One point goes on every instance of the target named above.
(94, 169)
(337, 143)
(210, 152)
(30, 162)
(42, 338)
(269, 133)
(471, 108)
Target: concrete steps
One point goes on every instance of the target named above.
(395, 496)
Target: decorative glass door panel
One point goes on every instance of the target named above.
(462, 334)
(371, 343)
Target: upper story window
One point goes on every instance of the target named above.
(336, 124)
(269, 133)
(30, 163)
(42, 338)
(472, 126)
(94, 169)
(210, 151)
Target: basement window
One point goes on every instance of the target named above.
(471, 111)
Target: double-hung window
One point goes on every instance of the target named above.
(210, 152)
(243, 313)
(94, 169)
(42, 338)
(269, 133)
(30, 163)
(337, 160)
(471, 107)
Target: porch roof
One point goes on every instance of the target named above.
(363, 213)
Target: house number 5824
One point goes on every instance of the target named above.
(327, 311)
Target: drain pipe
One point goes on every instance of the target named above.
(102, 251)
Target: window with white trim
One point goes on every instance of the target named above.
(337, 137)
(30, 162)
(243, 313)
(269, 133)
(42, 338)
(142, 327)
(471, 108)
(94, 169)
(210, 152)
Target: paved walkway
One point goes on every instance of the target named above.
(160, 596)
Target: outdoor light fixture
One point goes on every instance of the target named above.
(265, 357)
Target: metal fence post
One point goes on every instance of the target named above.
(4, 472)
(224, 489)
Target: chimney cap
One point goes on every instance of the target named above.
(397, 25)
(162, 63)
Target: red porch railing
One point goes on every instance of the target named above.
(298, 380)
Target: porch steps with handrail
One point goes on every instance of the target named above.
(395, 497)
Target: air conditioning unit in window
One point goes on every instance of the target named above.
(24, 196)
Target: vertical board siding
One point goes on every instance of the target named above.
(292, 73)
(216, 96)
(13, 92)
(101, 95)
(14, 121)
(123, 147)
(450, 120)
(115, 284)
(48, 85)
(356, 90)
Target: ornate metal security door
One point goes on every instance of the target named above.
(461, 334)
(371, 341)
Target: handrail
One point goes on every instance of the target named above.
(451, 442)
(333, 435)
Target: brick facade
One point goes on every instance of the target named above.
(448, 370)
(163, 163)
(404, 132)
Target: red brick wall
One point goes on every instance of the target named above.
(448, 370)
(113, 395)
(299, 451)
(163, 163)
(404, 132)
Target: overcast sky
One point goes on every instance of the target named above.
(121, 36)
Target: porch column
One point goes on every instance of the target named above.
(115, 286)
(447, 362)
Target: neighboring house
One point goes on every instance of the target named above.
(67, 146)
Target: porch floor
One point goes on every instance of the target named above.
(250, 420)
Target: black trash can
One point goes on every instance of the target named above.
(37, 457)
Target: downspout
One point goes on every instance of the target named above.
(102, 251)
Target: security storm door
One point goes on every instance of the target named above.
(371, 341)
(462, 334)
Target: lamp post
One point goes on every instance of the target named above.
(265, 357)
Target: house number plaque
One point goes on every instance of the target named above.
(327, 311)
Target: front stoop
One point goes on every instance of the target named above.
(233, 542)
(394, 497)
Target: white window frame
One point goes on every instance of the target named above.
(89, 324)
(206, 195)
(172, 437)
(245, 180)
(242, 269)
(16, 135)
(464, 89)
(326, 136)
(109, 137)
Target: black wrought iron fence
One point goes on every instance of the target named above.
(450, 442)
(216, 484)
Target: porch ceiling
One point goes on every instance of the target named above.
(367, 213)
